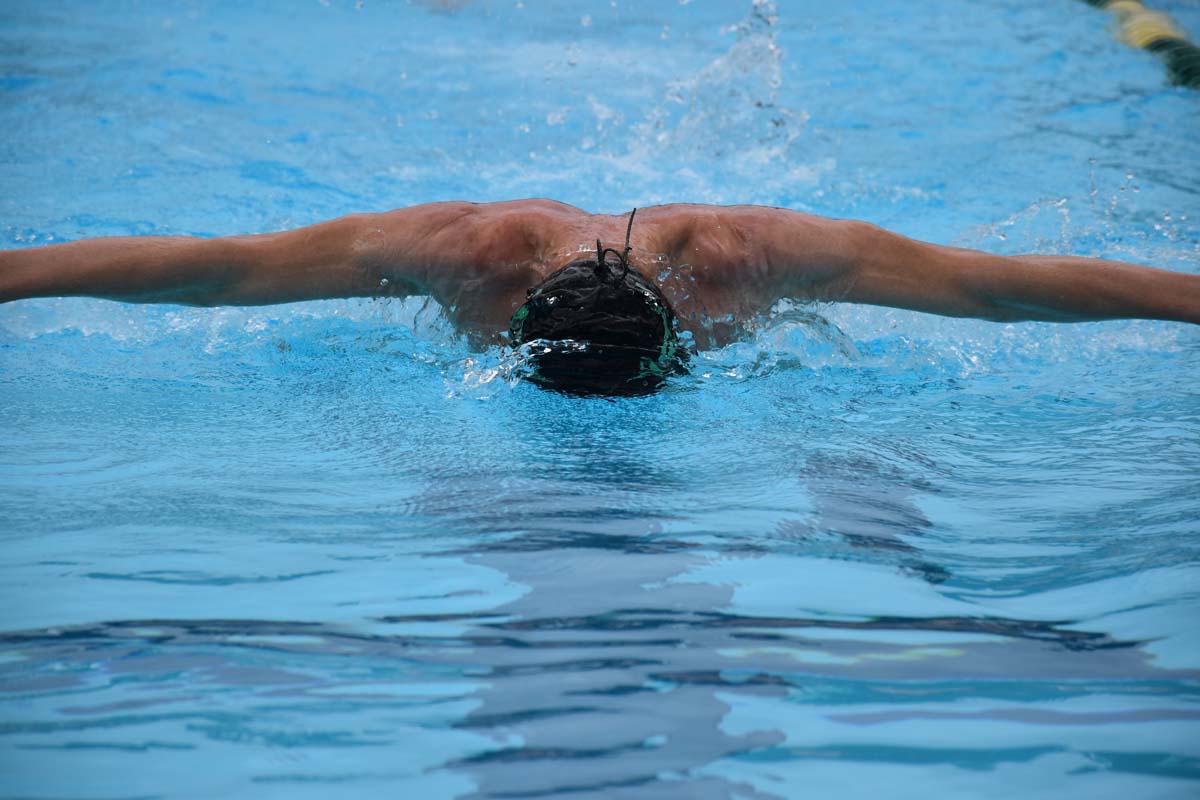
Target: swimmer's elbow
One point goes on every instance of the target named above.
(334, 259)
(999, 313)
(234, 271)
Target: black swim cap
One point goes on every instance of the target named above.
(599, 327)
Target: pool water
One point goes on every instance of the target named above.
(330, 550)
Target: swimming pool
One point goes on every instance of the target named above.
(329, 550)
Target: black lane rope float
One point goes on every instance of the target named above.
(1141, 27)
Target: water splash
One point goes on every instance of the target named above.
(731, 105)
(1043, 226)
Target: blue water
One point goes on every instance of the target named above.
(329, 550)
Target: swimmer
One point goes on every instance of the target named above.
(604, 299)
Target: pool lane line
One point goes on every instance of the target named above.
(1154, 31)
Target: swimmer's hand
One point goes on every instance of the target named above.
(363, 255)
(843, 260)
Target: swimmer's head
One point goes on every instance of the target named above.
(599, 327)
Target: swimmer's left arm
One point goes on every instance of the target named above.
(889, 269)
(849, 261)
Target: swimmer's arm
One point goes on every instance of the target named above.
(360, 255)
(848, 261)
(889, 269)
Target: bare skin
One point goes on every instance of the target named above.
(478, 260)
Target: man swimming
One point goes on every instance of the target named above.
(606, 319)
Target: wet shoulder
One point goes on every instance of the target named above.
(527, 229)
(706, 237)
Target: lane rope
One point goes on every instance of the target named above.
(1146, 29)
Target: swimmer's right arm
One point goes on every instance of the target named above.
(361, 255)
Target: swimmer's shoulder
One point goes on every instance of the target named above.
(703, 235)
(473, 235)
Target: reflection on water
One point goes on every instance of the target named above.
(334, 575)
(863, 506)
(590, 700)
(573, 628)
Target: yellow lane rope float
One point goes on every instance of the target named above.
(1154, 31)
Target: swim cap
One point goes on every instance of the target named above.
(599, 327)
